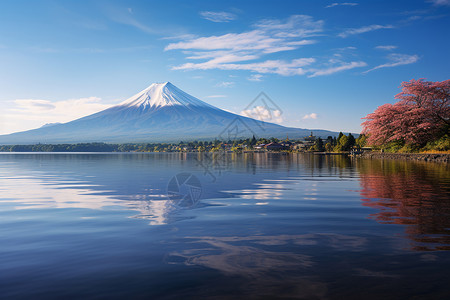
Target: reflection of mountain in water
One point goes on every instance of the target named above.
(413, 194)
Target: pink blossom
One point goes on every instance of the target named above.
(422, 113)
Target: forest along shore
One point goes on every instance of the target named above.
(437, 157)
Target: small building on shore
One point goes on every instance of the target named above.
(275, 147)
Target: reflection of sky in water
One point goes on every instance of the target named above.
(302, 226)
(49, 191)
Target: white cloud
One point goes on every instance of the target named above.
(255, 77)
(346, 48)
(302, 26)
(312, 116)
(268, 36)
(33, 105)
(341, 4)
(257, 41)
(440, 2)
(281, 67)
(386, 47)
(225, 84)
(396, 60)
(218, 17)
(246, 50)
(263, 114)
(354, 31)
(335, 69)
(25, 114)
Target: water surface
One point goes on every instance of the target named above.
(255, 226)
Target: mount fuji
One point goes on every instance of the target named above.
(160, 113)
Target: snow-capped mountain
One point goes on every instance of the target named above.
(160, 113)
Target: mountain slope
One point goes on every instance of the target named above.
(160, 113)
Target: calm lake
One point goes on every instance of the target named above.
(196, 226)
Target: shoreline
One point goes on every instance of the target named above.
(428, 157)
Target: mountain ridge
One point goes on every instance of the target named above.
(159, 113)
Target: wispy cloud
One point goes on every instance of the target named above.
(225, 84)
(346, 48)
(24, 114)
(296, 26)
(340, 68)
(341, 4)
(281, 67)
(440, 2)
(125, 17)
(246, 51)
(386, 47)
(364, 29)
(266, 39)
(255, 77)
(218, 16)
(33, 105)
(396, 60)
(312, 116)
(67, 109)
(234, 51)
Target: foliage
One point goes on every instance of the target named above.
(238, 145)
(339, 137)
(421, 115)
(344, 143)
(351, 141)
(361, 141)
(318, 145)
(442, 144)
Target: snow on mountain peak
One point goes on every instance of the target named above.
(158, 95)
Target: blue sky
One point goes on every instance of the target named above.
(326, 64)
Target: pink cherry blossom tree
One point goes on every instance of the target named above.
(422, 114)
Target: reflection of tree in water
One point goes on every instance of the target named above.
(412, 194)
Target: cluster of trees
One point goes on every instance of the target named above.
(343, 143)
(420, 119)
(83, 147)
(146, 147)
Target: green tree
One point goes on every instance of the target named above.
(361, 140)
(342, 143)
(350, 142)
(339, 137)
(318, 146)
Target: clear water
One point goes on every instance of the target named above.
(124, 226)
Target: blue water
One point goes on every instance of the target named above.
(190, 226)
